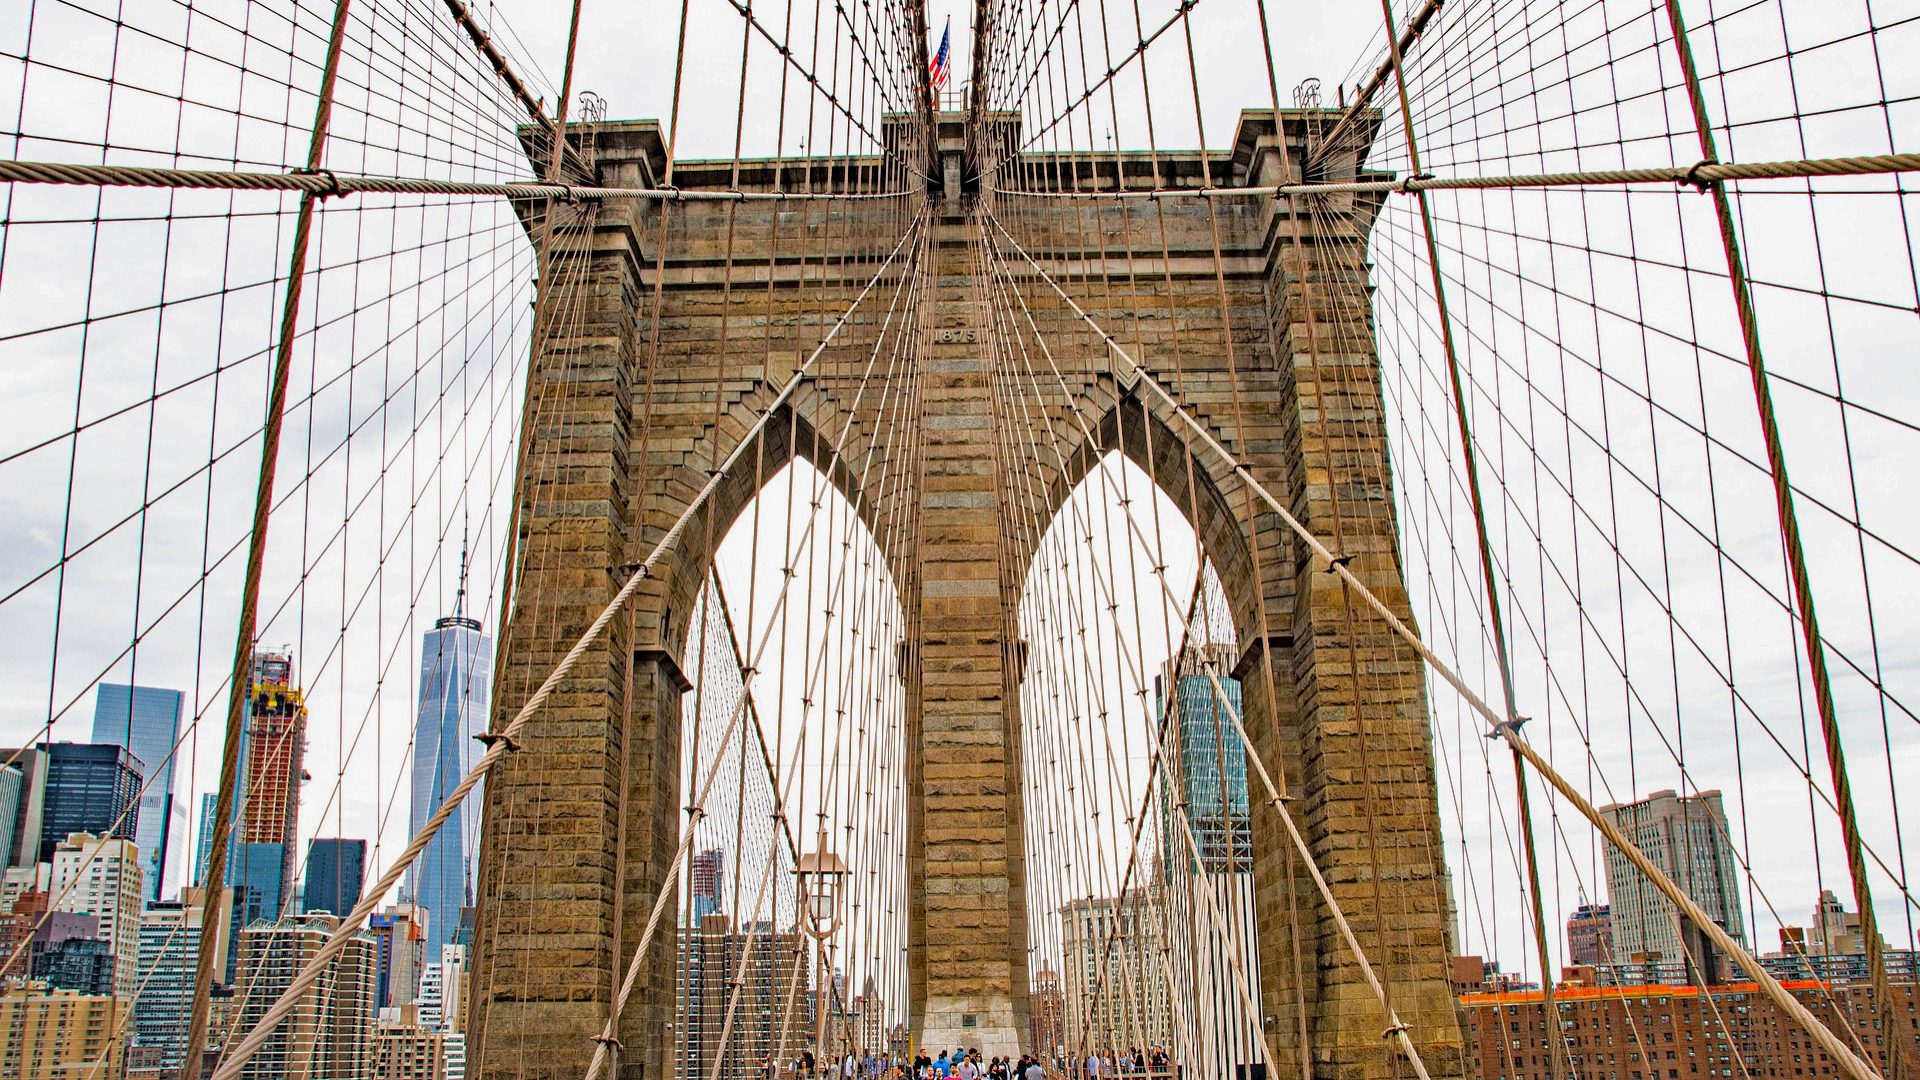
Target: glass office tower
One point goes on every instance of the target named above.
(1210, 765)
(90, 789)
(146, 720)
(456, 681)
(336, 872)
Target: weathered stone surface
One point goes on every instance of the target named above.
(664, 363)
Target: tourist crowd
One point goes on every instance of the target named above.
(970, 1064)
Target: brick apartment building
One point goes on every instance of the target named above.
(1667, 1032)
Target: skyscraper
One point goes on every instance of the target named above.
(13, 780)
(750, 972)
(1590, 936)
(273, 745)
(1686, 837)
(1046, 1013)
(1207, 775)
(77, 963)
(330, 1031)
(146, 720)
(336, 872)
(1210, 765)
(443, 990)
(400, 950)
(101, 877)
(276, 754)
(22, 843)
(456, 681)
(169, 949)
(1115, 986)
(89, 789)
(709, 877)
(203, 835)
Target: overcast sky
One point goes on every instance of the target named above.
(1605, 373)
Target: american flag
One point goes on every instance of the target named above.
(937, 70)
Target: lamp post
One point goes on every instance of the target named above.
(821, 875)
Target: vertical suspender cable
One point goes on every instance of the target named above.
(256, 554)
(1851, 1063)
(1795, 552)
(1556, 1035)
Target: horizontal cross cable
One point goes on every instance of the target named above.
(326, 184)
(1699, 175)
(1499, 725)
(503, 741)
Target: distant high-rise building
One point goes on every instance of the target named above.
(169, 950)
(772, 1002)
(276, 757)
(709, 874)
(456, 1050)
(55, 1034)
(1686, 837)
(1209, 773)
(1590, 936)
(330, 1031)
(1047, 1013)
(13, 780)
(146, 720)
(92, 789)
(336, 872)
(456, 683)
(272, 755)
(20, 845)
(1116, 990)
(1835, 930)
(16, 930)
(77, 963)
(869, 1014)
(409, 1050)
(443, 990)
(203, 836)
(101, 877)
(18, 881)
(1204, 809)
(400, 943)
(34, 924)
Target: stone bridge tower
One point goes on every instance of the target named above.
(582, 822)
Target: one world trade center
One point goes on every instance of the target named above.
(456, 675)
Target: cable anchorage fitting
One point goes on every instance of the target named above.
(1693, 177)
(488, 738)
(1398, 1027)
(1337, 560)
(1506, 728)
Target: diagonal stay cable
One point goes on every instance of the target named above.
(1769, 985)
(502, 742)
